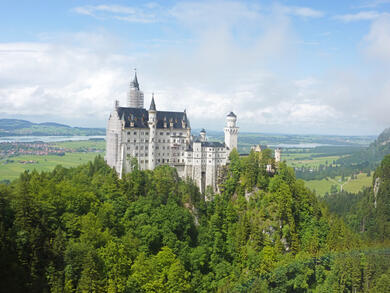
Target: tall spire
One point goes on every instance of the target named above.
(135, 80)
(152, 104)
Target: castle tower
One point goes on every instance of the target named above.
(278, 153)
(136, 96)
(231, 131)
(203, 135)
(152, 122)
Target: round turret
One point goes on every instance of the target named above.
(202, 135)
(231, 119)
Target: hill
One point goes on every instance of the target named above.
(85, 230)
(16, 127)
(370, 156)
(367, 212)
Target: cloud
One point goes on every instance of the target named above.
(362, 15)
(124, 13)
(64, 81)
(377, 41)
(222, 63)
(302, 11)
(373, 3)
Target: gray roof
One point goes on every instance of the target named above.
(152, 104)
(212, 144)
(231, 114)
(135, 81)
(140, 116)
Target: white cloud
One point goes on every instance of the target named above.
(228, 64)
(373, 3)
(306, 12)
(69, 82)
(125, 13)
(377, 41)
(362, 15)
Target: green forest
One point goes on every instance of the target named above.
(83, 229)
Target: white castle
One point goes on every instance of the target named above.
(155, 138)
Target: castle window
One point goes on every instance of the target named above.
(157, 147)
(135, 140)
(135, 132)
(163, 160)
(136, 147)
(146, 161)
(146, 133)
(167, 133)
(128, 140)
(183, 160)
(181, 133)
(158, 160)
(167, 160)
(128, 133)
(209, 161)
(161, 133)
(159, 140)
(142, 161)
(136, 154)
(146, 148)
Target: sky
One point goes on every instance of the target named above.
(298, 67)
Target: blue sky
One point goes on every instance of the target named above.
(282, 66)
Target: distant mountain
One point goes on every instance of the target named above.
(54, 124)
(16, 127)
(384, 137)
(372, 155)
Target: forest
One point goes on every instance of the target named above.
(83, 229)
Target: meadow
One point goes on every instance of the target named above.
(82, 152)
(83, 145)
(321, 187)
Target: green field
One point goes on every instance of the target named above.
(350, 185)
(82, 152)
(83, 144)
(320, 186)
(358, 184)
(302, 160)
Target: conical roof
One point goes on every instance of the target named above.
(135, 81)
(152, 104)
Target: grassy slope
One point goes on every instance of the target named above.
(320, 186)
(45, 163)
(358, 184)
(99, 144)
(296, 161)
(353, 186)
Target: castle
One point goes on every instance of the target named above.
(155, 138)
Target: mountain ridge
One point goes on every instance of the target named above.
(19, 127)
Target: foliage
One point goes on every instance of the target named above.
(85, 230)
